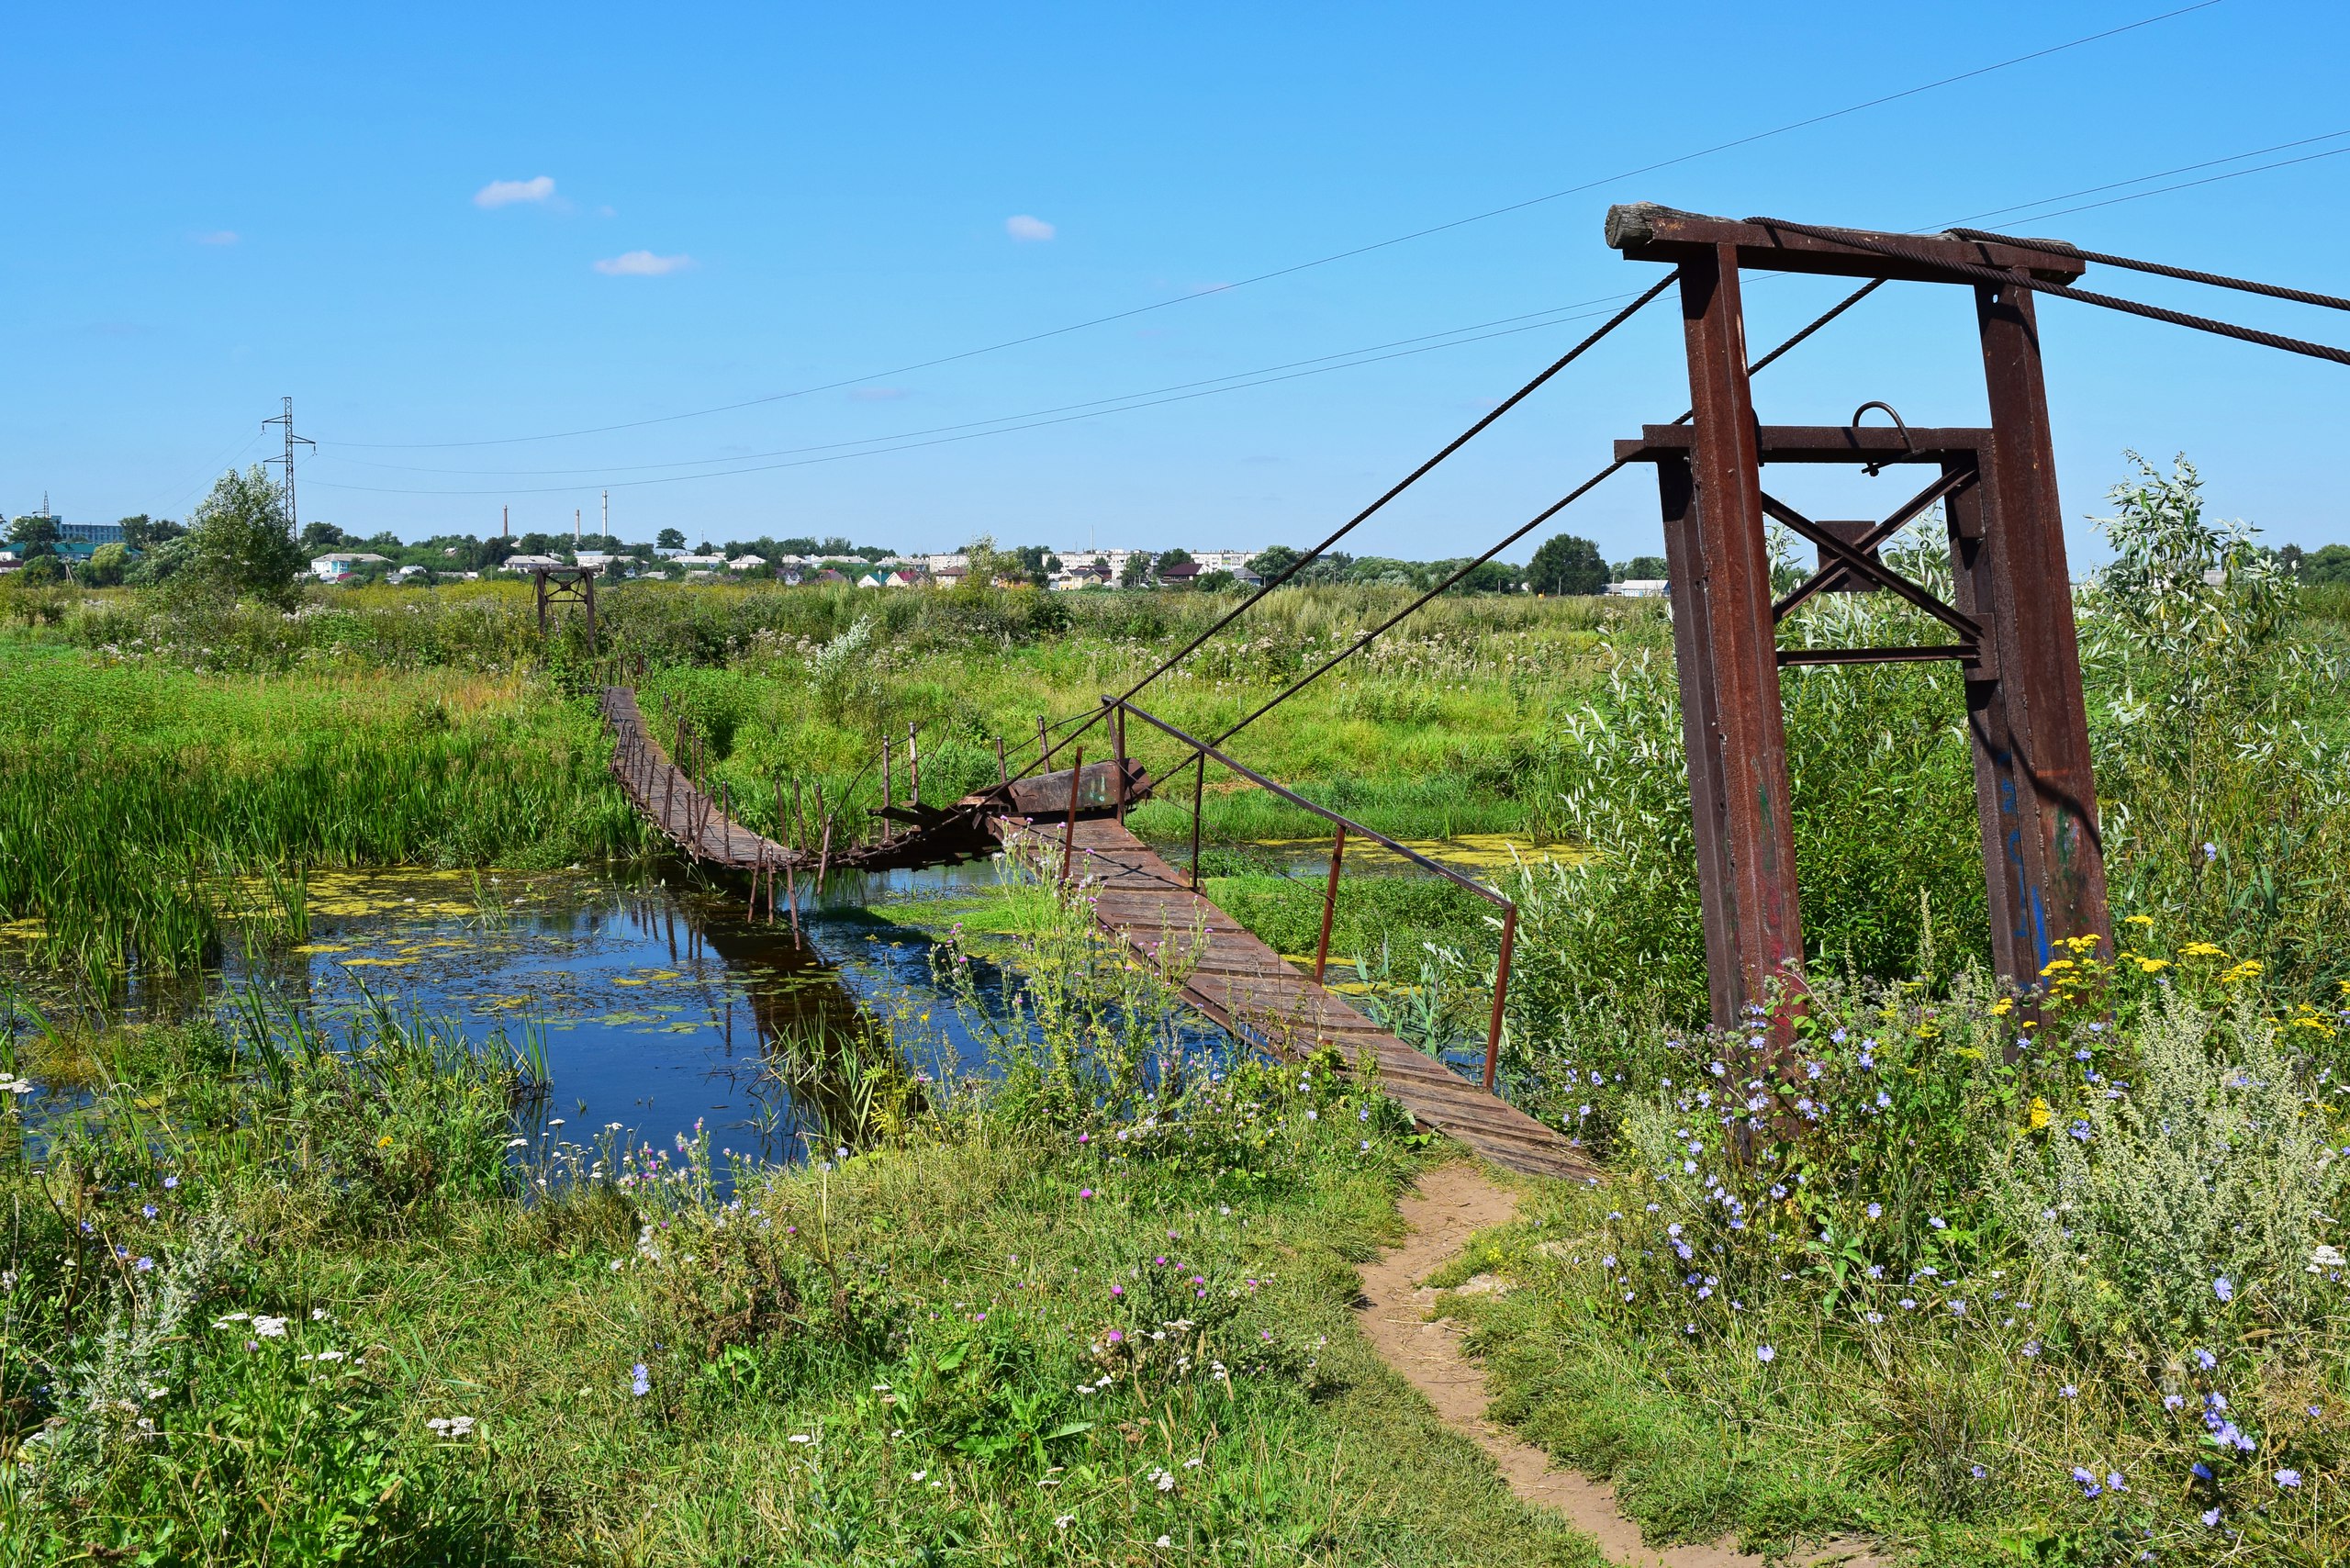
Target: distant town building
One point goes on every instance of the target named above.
(1639, 588)
(91, 533)
(342, 565)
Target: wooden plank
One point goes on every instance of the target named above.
(1244, 985)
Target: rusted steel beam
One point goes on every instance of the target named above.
(1693, 643)
(1920, 653)
(1733, 594)
(2024, 574)
(1818, 444)
(1645, 231)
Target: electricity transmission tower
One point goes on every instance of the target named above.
(287, 418)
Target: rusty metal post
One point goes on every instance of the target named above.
(2024, 568)
(913, 769)
(886, 784)
(1501, 991)
(1003, 769)
(1329, 902)
(1043, 747)
(1068, 834)
(1731, 594)
(587, 587)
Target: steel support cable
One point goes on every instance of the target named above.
(1414, 477)
(1535, 522)
(2218, 280)
(1994, 277)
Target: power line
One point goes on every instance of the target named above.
(1240, 380)
(2158, 174)
(1488, 214)
(2182, 186)
(947, 439)
(1552, 316)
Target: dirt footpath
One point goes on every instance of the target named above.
(1453, 1202)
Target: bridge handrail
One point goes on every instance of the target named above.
(1205, 753)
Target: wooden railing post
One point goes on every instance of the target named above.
(1199, 794)
(913, 769)
(1068, 834)
(1329, 902)
(1118, 769)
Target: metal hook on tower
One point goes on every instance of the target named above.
(1873, 469)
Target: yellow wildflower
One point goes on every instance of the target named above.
(2082, 944)
(2039, 1115)
(383, 1142)
(2153, 966)
(2002, 1007)
(2053, 965)
(2202, 950)
(2138, 919)
(2248, 969)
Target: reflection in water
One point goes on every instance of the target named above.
(657, 1003)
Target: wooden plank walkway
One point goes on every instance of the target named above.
(1250, 989)
(1231, 977)
(668, 797)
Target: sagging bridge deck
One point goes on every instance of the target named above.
(1230, 975)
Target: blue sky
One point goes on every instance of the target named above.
(445, 225)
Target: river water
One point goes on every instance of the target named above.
(652, 999)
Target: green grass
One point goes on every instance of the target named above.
(940, 1351)
(141, 806)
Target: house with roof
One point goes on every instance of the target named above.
(1183, 574)
(341, 565)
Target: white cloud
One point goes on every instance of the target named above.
(1024, 228)
(641, 264)
(506, 193)
(218, 237)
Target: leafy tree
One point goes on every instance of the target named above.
(1179, 557)
(34, 535)
(1567, 564)
(834, 544)
(670, 539)
(1493, 577)
(109, 563)
(40, 569)
(2329, 564)
(142, 532)
(1649, 568)
(243, 539)
(1216, 581)
(317, 538)
(1272, 563)
(161, 563)
(1137, 572)
(1037, 564)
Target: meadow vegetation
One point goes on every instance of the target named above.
(271, 1297)
(2048, 1273)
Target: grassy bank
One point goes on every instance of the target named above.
(272, 1298)
(140, 805)
(2058, 1290)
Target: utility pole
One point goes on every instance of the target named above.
(608, 516)
(506, 522)
(575, 530)
(293, 518)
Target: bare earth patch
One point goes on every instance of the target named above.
(1452, 1202)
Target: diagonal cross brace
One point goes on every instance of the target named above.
(1861, 564)
(1947, 486)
